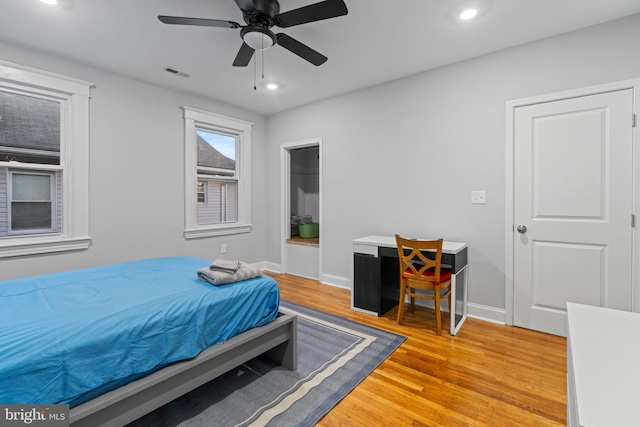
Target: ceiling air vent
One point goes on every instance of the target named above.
(176, 72)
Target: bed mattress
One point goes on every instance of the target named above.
(67, 337)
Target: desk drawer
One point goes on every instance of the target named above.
(390, 252)
(455, 261)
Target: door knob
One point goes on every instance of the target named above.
(522, 229)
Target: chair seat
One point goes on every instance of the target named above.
(445, 274)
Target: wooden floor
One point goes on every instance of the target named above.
(487, 375)
(307, 241)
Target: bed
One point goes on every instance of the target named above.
(117, 341)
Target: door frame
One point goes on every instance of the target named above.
(285, 199)
(511, 106)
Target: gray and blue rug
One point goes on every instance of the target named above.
(334, 356)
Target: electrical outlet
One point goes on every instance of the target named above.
(478, 197)
(223, 248)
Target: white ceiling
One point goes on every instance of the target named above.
(378, 41)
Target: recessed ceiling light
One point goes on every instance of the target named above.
(468, 14)
(49, 1)
(271, 85)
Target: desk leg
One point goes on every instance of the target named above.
(458, 314)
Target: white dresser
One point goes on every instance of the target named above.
(603, 367)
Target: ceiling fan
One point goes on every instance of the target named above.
(260, 16)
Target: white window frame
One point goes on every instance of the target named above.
(198, 119)
(73, 95)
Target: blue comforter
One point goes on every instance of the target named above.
(66, 337)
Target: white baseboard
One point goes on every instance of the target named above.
(337, 281)
(269, 266)
(489, 314)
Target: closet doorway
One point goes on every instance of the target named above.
(302, 208)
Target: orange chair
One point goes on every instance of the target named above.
(417, 272)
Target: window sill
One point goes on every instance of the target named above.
(220, 230)
(42, 245)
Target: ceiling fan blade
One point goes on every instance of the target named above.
(302, 50)
(244, 56)
(200, 22)
(246, 5)
(314, 12)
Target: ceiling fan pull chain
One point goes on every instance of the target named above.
(254, 72)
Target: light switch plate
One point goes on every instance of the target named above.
(478, 197)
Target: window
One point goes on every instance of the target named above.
(33, 203)
(217, 156)
(217, 178)
(43, 130)
(202, 191)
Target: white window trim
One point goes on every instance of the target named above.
(74, 97)
(194, 118)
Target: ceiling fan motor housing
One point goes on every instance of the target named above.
(263, 14)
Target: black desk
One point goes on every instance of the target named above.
(376, 273)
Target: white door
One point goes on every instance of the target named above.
(573, 207)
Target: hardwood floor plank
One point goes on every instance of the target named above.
(487, 375)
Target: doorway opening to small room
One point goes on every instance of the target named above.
(305, 196)
(302, 229)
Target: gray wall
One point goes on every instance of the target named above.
(403, 157)
(137, 173)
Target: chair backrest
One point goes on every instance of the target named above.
(414, 263)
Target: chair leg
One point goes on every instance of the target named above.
(403, 290)
(451, 320)
(413, 299)
(437, 306)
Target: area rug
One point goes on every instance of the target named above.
(334, 356)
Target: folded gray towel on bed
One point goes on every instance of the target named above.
(218, 277)
(225, 265)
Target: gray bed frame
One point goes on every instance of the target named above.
(277, 340)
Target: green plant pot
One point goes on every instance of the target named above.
(309, 230)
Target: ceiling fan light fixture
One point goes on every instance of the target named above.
(258, 38)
